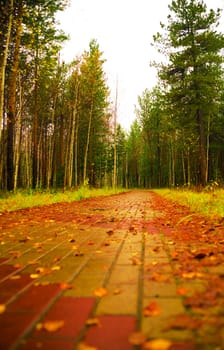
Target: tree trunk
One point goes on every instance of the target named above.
(12, 100)
(18, 136)
(202, 155)
(8, 13)
(87, 142)
(115, 141)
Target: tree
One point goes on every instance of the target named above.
(6, 16)
(194, 72)
(94, 103)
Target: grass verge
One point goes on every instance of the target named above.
(22, 199)
(207, 203)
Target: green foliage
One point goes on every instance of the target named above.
(31, 198)
(209, 203)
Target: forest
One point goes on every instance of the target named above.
(58, 121)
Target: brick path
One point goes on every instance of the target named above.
(54, 261)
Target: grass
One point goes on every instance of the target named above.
(207, 203)
(27, 199)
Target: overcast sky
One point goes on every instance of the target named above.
(124, 31)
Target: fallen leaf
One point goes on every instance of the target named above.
(184, 321)
(159, 277)
(182, 291)
(18, 266)
(117, 291)
(15, 253)
(93, 322)
(84, 346)
(2, 308)
(157, 344)
(32, 262)
(192, 275)
(100, 292)
(65, 286)
(14, 278)
(136, 338)
(78, 254)
(152, 309)
(110, 232)
(136, 261)
(34, 275)
(56, 259)
(56, 268)
(51, 326)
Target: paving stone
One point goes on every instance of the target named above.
(157, 326)
(112, 333)
(35, 299)
(13, 325)
(73, 311)
(121, 299)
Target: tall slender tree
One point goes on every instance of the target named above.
(194, 73)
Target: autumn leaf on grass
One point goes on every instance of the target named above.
(100, 292)
(51, 326)
(157, 344)
(152, 309)
(136, 338)
(2, 308)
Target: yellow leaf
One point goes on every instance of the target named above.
(52, 326)
(117, 291)
(65, 286)
(16, 277)
(56, 268)
(34, 275)
(2, 308)
(158, 344)
(84, 346)
(93, 322)
(100, 292)
(152, 309)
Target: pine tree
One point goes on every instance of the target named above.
(194, 73)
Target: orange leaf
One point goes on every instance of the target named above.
(158, 344)
(64, 286)
(100, 292)
(2, 308)
(93, 322)
(182, 291)
(56, 268)
(84, 346)
(152, 309)
(136, 261)
(51, 326)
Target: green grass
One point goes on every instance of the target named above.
(23, 199)
(207, 203)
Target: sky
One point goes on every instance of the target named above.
(124, 30)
